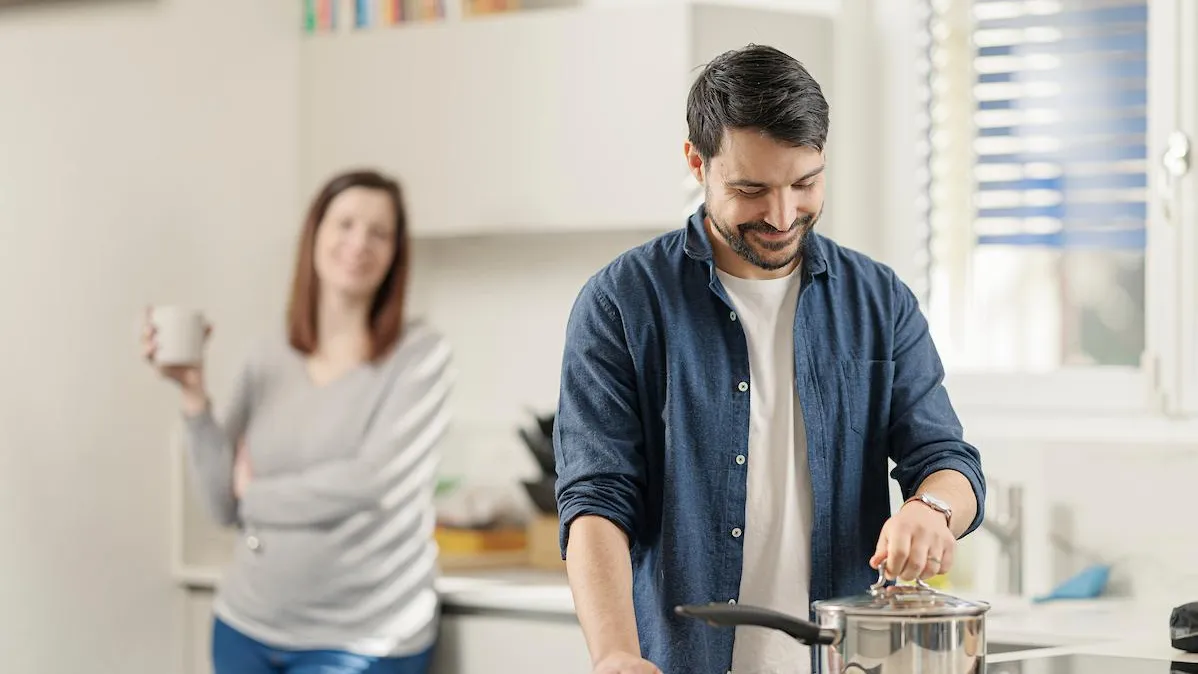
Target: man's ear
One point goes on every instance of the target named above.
(694, 161)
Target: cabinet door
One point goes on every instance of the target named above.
(197, 625)
(489, 643)
(539, 121)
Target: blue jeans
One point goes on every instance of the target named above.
(236, 653)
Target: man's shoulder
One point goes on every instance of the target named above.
(651, 263)
(854, 267)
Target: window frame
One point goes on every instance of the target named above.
(1103, 401)
(1173, 244)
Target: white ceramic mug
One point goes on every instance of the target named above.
(179, 333)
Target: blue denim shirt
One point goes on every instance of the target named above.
(654, 409)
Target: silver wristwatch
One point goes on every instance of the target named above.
(935, 504)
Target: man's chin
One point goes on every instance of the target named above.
(779, 258)
(772, 265)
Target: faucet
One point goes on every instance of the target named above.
(1004, 521)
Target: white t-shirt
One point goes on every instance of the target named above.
(777, 528)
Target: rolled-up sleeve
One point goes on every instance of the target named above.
(598, 434)
(926, 435)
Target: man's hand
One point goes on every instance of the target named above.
(915, 543)
(625, 663)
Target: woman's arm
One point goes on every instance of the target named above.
(210, 445)
(396, 460)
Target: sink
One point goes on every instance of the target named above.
(996, 647)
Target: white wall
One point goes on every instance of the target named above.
(1129, 504)
(147, 153)
(503, 302)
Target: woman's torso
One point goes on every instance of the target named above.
(365, 580)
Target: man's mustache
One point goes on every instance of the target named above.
(762, 226)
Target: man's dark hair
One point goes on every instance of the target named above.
(756, 87)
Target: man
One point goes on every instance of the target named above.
(730, 395)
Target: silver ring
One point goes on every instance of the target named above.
(934, 560)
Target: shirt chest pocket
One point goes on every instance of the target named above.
(867, 387)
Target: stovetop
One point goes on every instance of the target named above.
(1090, 664)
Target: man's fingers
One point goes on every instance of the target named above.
(934, 564)
(898, 551)
(917, 561)
(946, 557)
(879, 550)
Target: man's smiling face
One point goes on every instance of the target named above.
(762, 198)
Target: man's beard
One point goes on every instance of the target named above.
(737, 241)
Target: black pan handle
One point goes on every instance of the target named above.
(732, 615)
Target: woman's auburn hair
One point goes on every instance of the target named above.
(387, 308)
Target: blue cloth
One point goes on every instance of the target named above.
(237, 653)
(1087, 584)
(654, 408)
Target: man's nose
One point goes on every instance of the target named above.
(783, 211)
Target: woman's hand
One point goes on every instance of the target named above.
(190, 378)
(242, 472)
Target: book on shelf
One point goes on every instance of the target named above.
(476, 7)
(323, 16)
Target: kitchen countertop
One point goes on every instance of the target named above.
(1104, 626)
(517, 590)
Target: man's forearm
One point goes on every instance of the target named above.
(600, 571)
(954, 488)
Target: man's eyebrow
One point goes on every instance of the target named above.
(759, 185)
(745, 183)
(812, 173)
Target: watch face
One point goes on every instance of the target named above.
(931, 501)
(934, 501)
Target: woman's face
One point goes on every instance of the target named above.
(355, 242)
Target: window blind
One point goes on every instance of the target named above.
(1059, 123)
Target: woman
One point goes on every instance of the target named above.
(325, 459)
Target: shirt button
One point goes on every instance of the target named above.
(732, 315)
(731, 601)
(740, 459)
(736, 532)
(252, 542)
(743, 386)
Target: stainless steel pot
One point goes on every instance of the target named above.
(892, 629)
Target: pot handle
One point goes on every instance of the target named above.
(881, 582)
(730, 615)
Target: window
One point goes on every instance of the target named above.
(1038, 183)
(1053, 275)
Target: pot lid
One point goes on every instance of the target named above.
(903, 600)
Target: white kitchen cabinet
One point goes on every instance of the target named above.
(486, 643)
(554, 120)
(482, 642)
(197, 626)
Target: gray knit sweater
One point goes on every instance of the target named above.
(335, 548)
